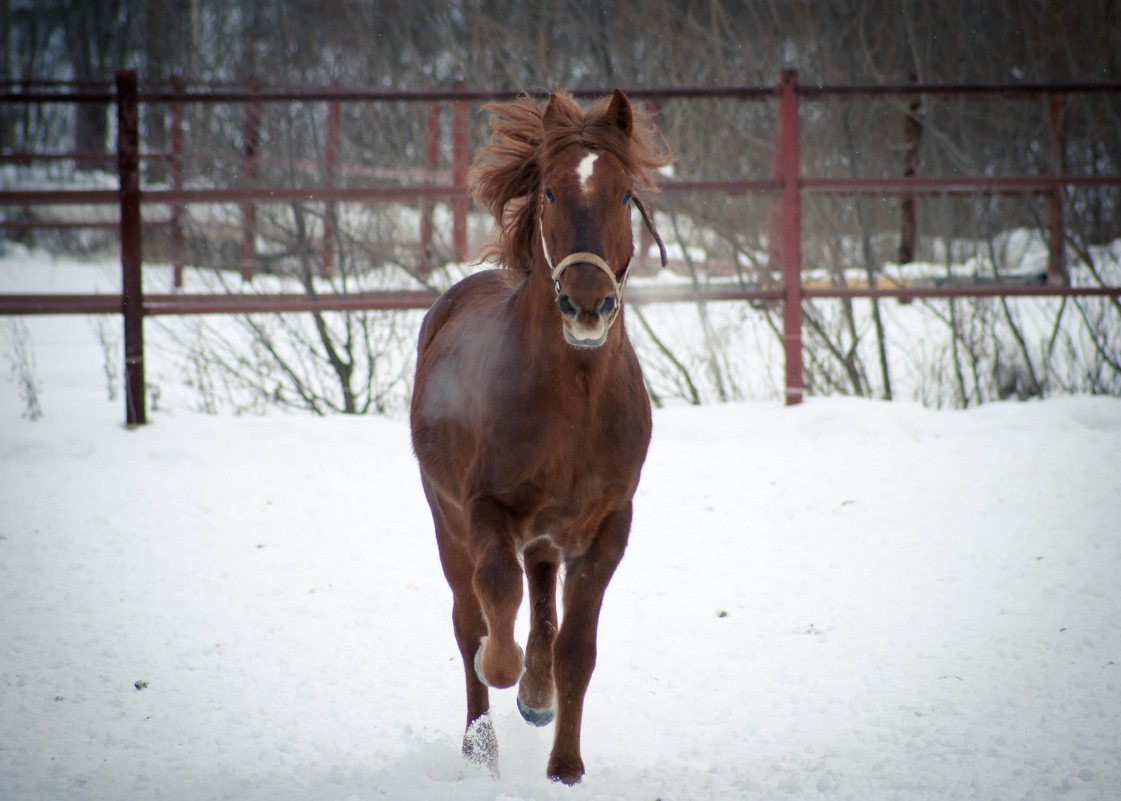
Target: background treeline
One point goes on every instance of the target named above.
(514, 45)
(509, 44)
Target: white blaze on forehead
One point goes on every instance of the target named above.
(585, 169)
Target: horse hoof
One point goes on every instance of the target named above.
(483, 679)
(536, 717)
(568, 772)
(480, 745)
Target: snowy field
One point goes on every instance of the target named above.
(844, 600)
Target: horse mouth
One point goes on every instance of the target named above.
(575, 341)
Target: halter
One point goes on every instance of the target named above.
(597, 260)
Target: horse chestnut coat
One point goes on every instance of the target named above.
(529, 415)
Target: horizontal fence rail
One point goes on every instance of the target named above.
(786, 187)
(401, 300)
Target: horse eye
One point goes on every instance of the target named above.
(549, 196)
(627, 198)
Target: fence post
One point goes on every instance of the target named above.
(1056, 264)
(912, 163)
(432, 157)
(249, 180)
(461, 110)
(774, 208)
(330, 157)
(132, 289)
(790, 169)
(178, 242)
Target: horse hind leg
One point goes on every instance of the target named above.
(479, 742)
(536, 692)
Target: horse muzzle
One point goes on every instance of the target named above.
(586, 324)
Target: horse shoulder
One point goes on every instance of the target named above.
(455, 346)
(456, 354)
(476, 290)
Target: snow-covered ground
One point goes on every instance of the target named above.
(847, 599)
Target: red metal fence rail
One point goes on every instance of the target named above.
(787, 187)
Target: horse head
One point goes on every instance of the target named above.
(584, 222)
(561, 182)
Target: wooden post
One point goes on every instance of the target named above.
(330, 159)
(790, 169)
(774, 208)
(178, 241)
(249, 180)
(132, 288)
(912, 163)
(432, 158)
(460, 122)
(1057, 274)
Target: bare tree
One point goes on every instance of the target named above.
(511, 45)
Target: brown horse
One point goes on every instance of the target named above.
(529, 415)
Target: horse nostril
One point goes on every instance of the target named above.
(608, 306)
(567, 307)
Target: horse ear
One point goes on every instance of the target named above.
(619, 113)
(549, 118)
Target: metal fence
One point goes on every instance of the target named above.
(786, 187)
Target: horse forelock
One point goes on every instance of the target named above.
(506, 174)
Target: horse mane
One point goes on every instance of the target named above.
(505, 176)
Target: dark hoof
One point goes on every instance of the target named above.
(536, 717)
(569, 773)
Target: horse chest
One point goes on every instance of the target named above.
(543, 423)
(566, 468)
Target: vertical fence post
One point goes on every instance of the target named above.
(460, 122)
(132, 289)
(178, 242)
(330, 158)
(1056, 264)
(912, 163)
(774, 208)
(790, 169)
(249, 180)
(432, 160)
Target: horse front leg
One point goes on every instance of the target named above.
(499, 661)
(574, 650)
(535, 691)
